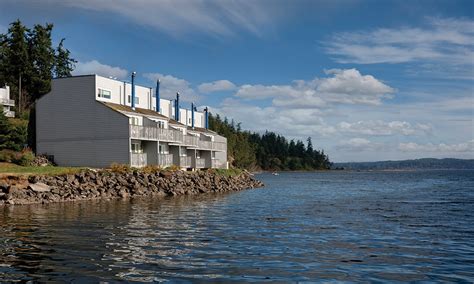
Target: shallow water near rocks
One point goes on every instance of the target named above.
(349, 226)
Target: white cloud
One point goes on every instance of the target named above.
(443, 148)
(359, 145)
(180, 17)
(295, 123)
(170, 85)
(441, 40)
(347, 86)
(95, 67)
(382, 128)
(216, 86)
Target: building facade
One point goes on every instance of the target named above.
(91, 121)
(6, 102)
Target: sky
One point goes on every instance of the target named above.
(366, 80)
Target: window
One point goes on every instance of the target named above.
(213, 155)
(136, 147)
(137, 100)
(134, 121)
(104, 94)
(161, 124)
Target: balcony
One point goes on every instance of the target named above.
(216, 164)
(9, 113)
(155, 133)
(185, 162)
(191, 141)
(200, 163)
(174, 136)
(165, 160)
(7, 102)
(138, 160)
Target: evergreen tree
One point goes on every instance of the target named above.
(16, 61)
(64, 63)
(43, 60)
(268, 151)
(5, 131)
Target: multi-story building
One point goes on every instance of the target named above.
(5, 101)
(95, 121)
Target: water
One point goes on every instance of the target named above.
(373, 226)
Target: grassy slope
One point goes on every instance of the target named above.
(48, 170)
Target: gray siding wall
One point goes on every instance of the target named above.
(78, 130)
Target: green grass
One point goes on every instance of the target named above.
(48, 170)
(229, 172)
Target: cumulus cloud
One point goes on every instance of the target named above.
(170, 85)
(441, 40)
(347, 86)
(444, 148)
(382, 128)
(359, 145)
(95, 67)
(182, 18)
(296, 123)
(216, 86)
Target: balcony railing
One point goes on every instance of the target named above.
(191, 140)
(175, 136)
(217, 164)
(138, 160)
(9, 113)
(200, 163)
(165, 160)
(7, 102)
(185, 162)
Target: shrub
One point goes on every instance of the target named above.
(173, 168)
(7, 155)
(151, 169)
(120, 168)
(24, 158)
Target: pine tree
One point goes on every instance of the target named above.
(5, 131)
(16, 61)
(43, 59)
(64, 64)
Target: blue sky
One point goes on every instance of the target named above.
(367, 80)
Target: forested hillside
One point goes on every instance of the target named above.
(267, 151)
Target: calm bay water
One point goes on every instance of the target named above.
(374, 226)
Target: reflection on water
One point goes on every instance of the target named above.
(401, 226)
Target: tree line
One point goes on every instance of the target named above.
(268, 151)
(28, 62)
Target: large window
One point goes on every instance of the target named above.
(137, 100)
(104, 94)
(136, 147)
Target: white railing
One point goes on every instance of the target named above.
(185, 162)
(200, 163)
(9, 113)
(9, 102)
(190, 140)
(216, 164)
(165, 160)
(143, 132)
(138, 160)
(205, 145)
(219, 146)
(169, 135)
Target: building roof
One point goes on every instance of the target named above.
(152, 113)
(142, 111)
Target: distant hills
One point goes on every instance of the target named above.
(427, 163)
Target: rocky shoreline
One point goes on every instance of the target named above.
(106, 184)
